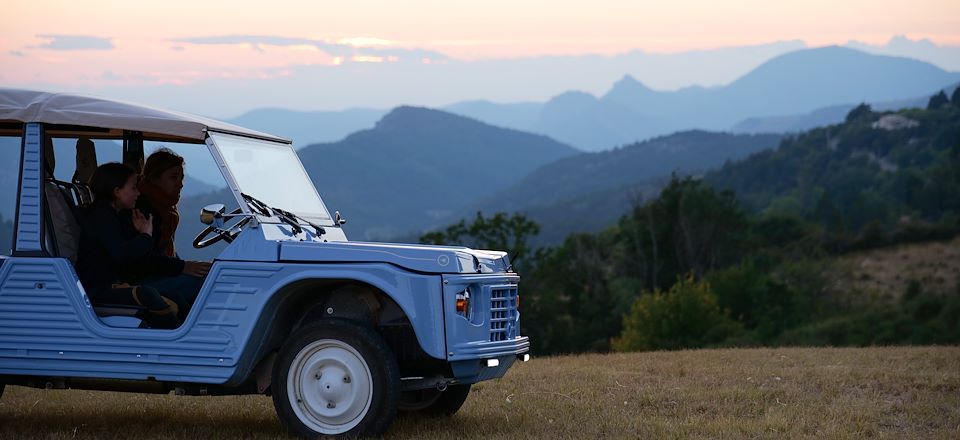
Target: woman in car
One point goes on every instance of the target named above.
(160, 190)
(116, 242)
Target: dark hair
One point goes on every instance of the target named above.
(108, 177)
(160, 161)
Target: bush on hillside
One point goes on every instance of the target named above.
(765, 307)
(686, 316)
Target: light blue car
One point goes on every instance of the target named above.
(342, 334)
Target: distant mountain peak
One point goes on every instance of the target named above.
(628, 87)
(839, 67)
(628, 80)
(407, 117)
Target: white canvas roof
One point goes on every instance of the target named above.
(70, 109)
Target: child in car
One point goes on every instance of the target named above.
(116, 242)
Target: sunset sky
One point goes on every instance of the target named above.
(127, 47)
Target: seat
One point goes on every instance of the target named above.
(66, 200)
(118, 315)
(64, 231)
(86, 165)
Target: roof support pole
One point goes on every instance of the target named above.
(29, 219)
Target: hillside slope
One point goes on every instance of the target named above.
(862, 171)
(417, 165)
(834, 114)
(885, 274)
(589, 191)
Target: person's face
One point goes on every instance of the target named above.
(170, 181)
(126, 195)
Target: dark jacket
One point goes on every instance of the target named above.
(112, 251)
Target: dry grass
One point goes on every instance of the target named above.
(744, 393)
(883, 274)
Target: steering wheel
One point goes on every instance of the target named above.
(226, 234)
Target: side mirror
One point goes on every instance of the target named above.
(339, 220)
(211, 213)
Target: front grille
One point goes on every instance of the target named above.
(503, 313)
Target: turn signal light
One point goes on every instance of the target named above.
(463, 301)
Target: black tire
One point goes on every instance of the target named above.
(338, 363)
(434, 403)
(2, 386)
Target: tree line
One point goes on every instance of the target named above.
(738, 256)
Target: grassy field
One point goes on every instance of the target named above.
(897, 392)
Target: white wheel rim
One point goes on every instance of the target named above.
(329, 386)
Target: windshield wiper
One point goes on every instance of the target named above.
(264, 209)
(256, 204)
(316, 228)
(284, 216)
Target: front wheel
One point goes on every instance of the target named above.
(433, 403)
(336, 378)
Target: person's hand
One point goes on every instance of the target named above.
(196, 268)
(143, 225)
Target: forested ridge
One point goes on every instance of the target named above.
(741, 256)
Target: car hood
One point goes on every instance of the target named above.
(420, 258)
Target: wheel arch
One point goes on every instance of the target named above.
(309, 298)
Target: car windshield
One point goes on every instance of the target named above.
(271, 172)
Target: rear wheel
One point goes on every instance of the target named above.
(336, 378)
(433, 403)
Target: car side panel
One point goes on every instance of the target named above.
(48, 328)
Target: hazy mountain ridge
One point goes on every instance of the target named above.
(793, 83)
(417, 165)
(786, 85)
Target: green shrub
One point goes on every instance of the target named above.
(764, 306)
(686, 316)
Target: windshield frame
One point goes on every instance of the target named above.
(238, 191)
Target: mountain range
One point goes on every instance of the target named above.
(414, 168)
(417, 165)
(793, 83)
(789, 84)
(419, 168)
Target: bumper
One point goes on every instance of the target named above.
(476, 370)
(487, 350)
